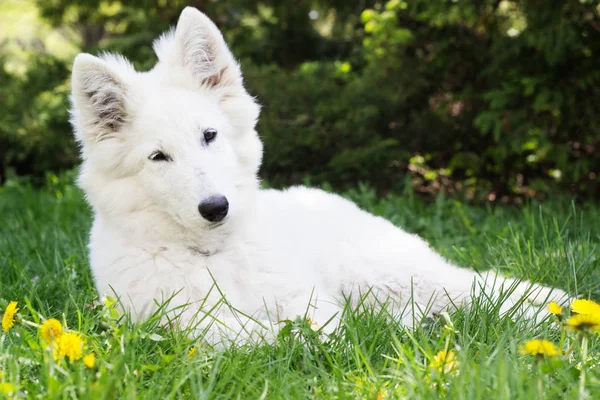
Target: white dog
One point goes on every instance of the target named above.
(170, 159)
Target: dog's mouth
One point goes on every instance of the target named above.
(194, 225)
(215, 225)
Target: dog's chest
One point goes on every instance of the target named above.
(250, 275)
(234, 271)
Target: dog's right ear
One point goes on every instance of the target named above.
(99, 96)
(197, 46)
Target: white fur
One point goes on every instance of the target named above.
(276, 252)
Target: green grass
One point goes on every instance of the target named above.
(43, 266)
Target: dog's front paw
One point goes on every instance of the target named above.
(532, 300)
(538, 295)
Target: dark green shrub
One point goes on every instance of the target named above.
(324, 122)
(35, 135)
(516, 86)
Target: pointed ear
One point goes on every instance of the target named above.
(199, 48)
(196, 50)
(99, 97)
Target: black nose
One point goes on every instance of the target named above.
(214, 208)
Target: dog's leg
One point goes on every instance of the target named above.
(530, 298)
(404, 268)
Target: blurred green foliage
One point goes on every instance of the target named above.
(495, 99)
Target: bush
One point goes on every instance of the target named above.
(514, 85)
(487, 95)
(324, 122)
(35, 135)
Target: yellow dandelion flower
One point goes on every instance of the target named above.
(7, 389)
(192, 351)
(582, 306)
(539, 347)
(445, 362)
(8, 320)
(89, 360)
(68, 345)
(51, 330)
(554, 308)
(585, 322)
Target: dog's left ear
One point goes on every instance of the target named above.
(198, 51)
(199, 48)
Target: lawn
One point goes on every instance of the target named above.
(44, 267)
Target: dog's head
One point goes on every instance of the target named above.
(177, 142)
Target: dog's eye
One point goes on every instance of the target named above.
(159, 156)
(210, 135)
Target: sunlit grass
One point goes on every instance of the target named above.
(466, 354)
